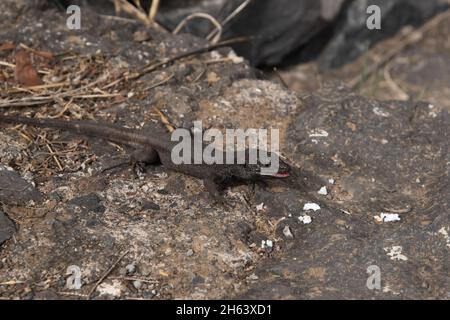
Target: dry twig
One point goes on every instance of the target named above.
(106, 274)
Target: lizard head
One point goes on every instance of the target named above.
(258, 170)
(282, 172)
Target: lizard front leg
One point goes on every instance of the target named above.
(143, 156)
(138, 159)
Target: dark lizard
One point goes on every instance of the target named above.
(149, 148)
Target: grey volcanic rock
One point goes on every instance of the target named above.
(287, 32)
(291, 31)
(351, 37)
(276, 28)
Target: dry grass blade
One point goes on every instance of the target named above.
(94, 88)
(106, 274)
(10, 104)
(123, 5)
(55, 157)
(43, 54)
(413, 37)
(167, 61)
(203, 15)
(153, 10)
(400, 94)
(230, 17)
(11, 283)
(164, 120)
(12, 65)
(138, 11)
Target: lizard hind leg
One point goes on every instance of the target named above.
(215, 189)
(115, 166)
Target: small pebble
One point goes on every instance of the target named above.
(305, 219)
(148, 295)
(323, 191)
(189, 253)
(266, 244)
(130, 269)
(260, 207)
(137, 284)
(311, 206)
(287, 233)
(252, 277)
(387, 217)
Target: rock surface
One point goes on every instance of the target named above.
(287, 32)
(373, 157)
(383, 157)
(351, 37)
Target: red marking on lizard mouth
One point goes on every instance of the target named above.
(281, 174)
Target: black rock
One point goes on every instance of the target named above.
(7, 228)
(150, 206)
(14, 190)
(90, 202)
(286, 32)
(351, 37)
(276, 28)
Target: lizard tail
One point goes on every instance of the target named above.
(108, 132)
(30, 121)
(86, 128)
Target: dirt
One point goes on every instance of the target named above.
(384, 157)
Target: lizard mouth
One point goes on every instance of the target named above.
(281, 175)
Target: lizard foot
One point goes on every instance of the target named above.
(115, 166)
(138, 168)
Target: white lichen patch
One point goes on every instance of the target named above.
(311, 206)
(318, 133)
(444, 232)
(323, 191)
(267, 244)
(5, 168)
(387, 217)
(113, 288)
(387, 289)
(395, 253)
(432, 112)
(305, 219)
(380, 112)
(260, 207)
(234, 57)
(287, 232)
